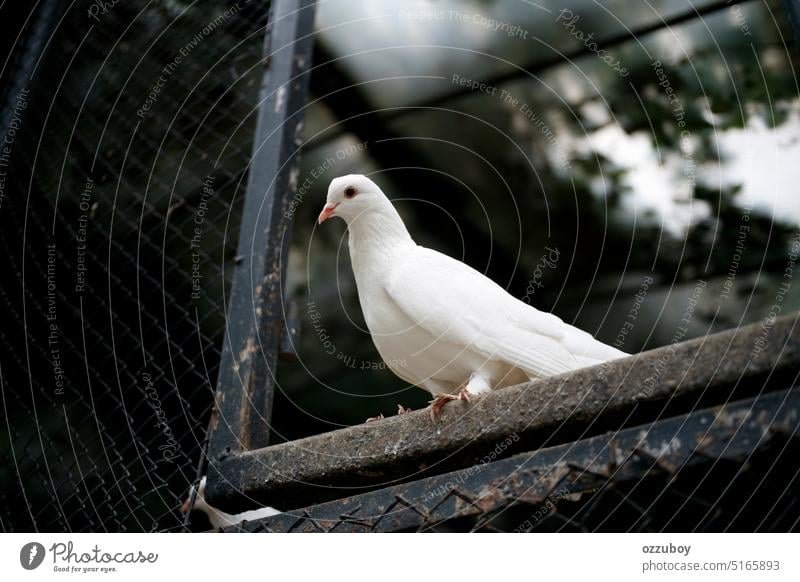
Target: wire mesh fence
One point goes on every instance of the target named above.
(128, 135)
(120, 211)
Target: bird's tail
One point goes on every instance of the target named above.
(589, 351)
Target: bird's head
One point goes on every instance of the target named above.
(351, 197)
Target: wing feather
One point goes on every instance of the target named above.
(456, 303)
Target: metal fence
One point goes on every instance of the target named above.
(151, 155)
(131, 131)
(704, 471)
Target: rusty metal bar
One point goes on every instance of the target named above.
(666, 381)
(255, 320)
(731, 432)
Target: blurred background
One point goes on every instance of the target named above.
(611, 163)
(563, 180)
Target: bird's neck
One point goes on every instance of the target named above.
(376, 236)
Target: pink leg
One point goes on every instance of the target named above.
(441, 399)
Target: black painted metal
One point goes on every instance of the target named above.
(671, 448)
(255, 319)
(21, 70)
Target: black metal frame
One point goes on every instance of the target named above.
(240, 464)
(732, 432)
(255, 323)
(42, 20)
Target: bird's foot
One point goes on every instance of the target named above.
(441, 399)
(438, 403)
(374, 418)
(402, 409)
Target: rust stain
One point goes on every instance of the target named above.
(249, 348)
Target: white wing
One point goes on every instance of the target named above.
(456, 303)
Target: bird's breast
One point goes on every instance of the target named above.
(406, 347)
(412, 352)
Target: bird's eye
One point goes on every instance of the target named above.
(350, 191)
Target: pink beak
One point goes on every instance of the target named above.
(327, 212)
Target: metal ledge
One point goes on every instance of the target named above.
(669, 447)
(667, 381)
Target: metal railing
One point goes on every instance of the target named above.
(534, 456)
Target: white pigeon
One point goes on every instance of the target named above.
(219, 519)
(438, 323)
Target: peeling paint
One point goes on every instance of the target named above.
(280, 99)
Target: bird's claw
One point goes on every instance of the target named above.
(441, 399)
(438, 403)
(400, 410)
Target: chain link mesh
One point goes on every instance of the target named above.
(119, 227)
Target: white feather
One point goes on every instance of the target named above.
(219, 519)
(438, 322)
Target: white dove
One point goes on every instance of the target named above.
(219, 519)
(438, 323)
